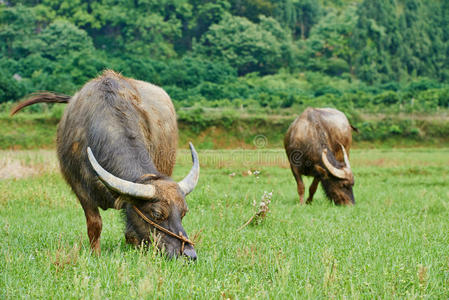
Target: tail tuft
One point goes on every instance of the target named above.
(41, 97)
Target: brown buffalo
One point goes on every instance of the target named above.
(127, 127)
(317, 144)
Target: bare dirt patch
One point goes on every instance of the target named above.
(16, 164)
(15, 169)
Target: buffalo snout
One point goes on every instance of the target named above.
(190, 253)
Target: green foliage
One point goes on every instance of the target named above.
(298, 15)
(209, 13)
(373, 55)
(246, 46)
(61, 38)
(192, 72)
(328, 47)
(397, 41)
(389, 128)
(17, 31)
(10, 88)
(252, 9)
(386, 98)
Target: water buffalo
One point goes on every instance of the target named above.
(317, 144)
(116, 146)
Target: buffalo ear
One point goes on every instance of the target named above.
(322, 172)
(147, 177)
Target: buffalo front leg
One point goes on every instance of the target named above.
(312, 190)
(94, 225)
(300, 185)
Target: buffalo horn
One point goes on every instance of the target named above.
(123, 187)
(339, 173)
(189, 182)
(345, 155)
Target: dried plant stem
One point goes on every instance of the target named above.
(247, 223)
(262, 212)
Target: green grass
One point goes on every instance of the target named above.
(393, 244)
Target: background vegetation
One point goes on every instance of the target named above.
(271, 53)
(384, 62)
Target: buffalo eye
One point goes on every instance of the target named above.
(157, 215)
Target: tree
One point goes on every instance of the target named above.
(145, 27)
(377, 39)
(208, 14)
(17, 31)
(298, 15)
(246, 46)
(10, 88)
(398, 40)
(192, 72)
(81, 13)
(328, 46)
(62, 37)
(252, 9)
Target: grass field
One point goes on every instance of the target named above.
(394, 243)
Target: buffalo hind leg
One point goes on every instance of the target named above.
(94, 225)
(312, 190)
(300, 185)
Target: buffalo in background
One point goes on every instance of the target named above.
(317, 144)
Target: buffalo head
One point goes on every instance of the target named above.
(337, 178)
(160, 199)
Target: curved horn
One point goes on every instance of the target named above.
(345, 156)
(124, 187)
(339, 173)
(189, 182)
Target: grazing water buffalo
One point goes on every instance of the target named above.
(116, 146)
(317, 144)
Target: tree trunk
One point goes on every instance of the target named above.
(303, 35)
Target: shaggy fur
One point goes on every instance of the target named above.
(130, 125)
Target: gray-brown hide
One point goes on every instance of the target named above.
(131, 128)
(315, 144)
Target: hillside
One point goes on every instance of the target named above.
(234, 53)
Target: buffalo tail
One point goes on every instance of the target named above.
(41, 97)
(354, 128)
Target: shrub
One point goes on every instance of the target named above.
(422, 84)
(386, 98)
(10, 88)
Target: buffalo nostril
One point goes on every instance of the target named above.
(190, 254)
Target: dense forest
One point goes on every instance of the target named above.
(370, 54)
